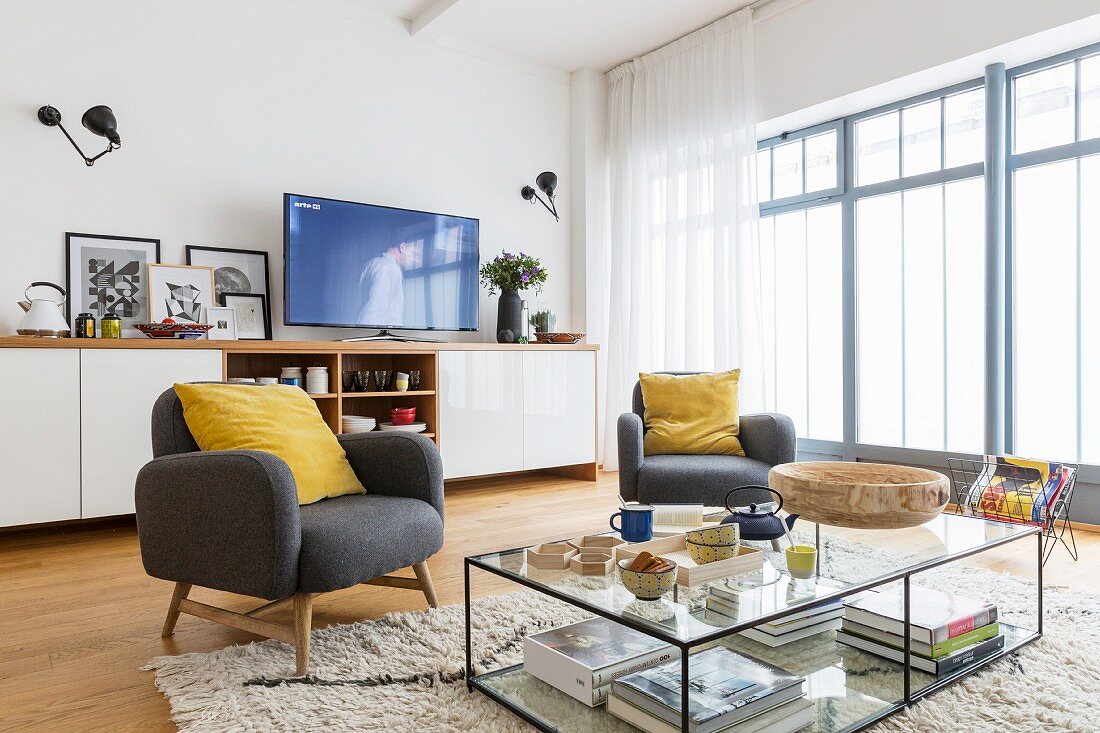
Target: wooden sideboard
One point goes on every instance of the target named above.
(75, 425)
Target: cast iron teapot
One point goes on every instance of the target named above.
(757, 522)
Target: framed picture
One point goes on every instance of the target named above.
(224, 322)
(235, 271)
(251, 312)
(180, 292)
(107, 274)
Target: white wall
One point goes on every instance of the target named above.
(223, 106)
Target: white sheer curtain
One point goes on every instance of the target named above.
(681, 259)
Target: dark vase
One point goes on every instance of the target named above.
(509, 328)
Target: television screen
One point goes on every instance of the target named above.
(361, 265)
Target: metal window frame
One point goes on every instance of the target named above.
(847, 193)
(835, 126)
(1075, 151)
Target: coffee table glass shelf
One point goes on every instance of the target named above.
(851, 689)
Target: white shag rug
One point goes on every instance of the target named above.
(404, 672)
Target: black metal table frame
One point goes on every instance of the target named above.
(905, 575)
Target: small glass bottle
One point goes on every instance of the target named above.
(525, 323)
(85, 326)
(110, 326)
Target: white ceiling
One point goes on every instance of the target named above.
(561, 34)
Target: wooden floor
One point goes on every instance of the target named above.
(79, 617)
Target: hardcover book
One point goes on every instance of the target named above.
(726, 687)
(929, 651)
(581, 658)
(934, 616)
(786, 718)
(939, 667)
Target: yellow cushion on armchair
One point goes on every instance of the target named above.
(277, 419)
(694, 414)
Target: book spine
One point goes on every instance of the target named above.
(558, 671)
(947, 665)
(607, 675)
(964, 625)
(946, 648)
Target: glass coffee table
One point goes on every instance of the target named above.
(851, 689)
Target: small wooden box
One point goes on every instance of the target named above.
(590, 562)
(550, 557)
(603, 542)
(690, 572)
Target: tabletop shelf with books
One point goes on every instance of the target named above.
(764, 653)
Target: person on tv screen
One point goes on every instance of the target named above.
(383, 281)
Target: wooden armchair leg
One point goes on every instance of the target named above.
(425, 579)
(303, 624)
(178, 594)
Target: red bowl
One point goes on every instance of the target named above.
(403, 415)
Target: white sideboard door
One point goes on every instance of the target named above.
(480, 399)
(559, 410)
(117, 390)
(39, 435)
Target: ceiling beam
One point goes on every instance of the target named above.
(442, 17)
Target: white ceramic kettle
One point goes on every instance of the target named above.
(43, 315)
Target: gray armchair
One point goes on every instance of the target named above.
(230, 520)
(768, 440)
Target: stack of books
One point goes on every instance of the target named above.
(801, 624)
(582, 659)
(728, 692)
(947, 632)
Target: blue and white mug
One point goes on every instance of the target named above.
(636, 521)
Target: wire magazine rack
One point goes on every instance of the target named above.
(1005, 492)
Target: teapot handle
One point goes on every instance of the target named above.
(758, 488)
(44, 284)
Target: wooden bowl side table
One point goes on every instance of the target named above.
(861, 495)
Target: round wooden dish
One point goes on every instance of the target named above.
(861, 495)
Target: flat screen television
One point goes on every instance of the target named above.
(366, 266)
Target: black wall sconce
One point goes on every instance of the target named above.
(546, 182)
(99, 120)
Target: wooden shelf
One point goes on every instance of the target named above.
(392, 393)
(325, 396)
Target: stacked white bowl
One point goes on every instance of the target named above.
(357, 424)
(416, 427)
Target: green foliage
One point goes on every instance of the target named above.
(509, 271)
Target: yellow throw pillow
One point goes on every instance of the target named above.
(693, 414)
(277, 419)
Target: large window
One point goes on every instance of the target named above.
(875, 264)
(1055, 253)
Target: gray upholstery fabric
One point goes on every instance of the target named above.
(768, 440)
(350, 539)
(768, 437)
(230, 520)
(170, 432)
(631, 454)
(693, 479)
(223, 519)
(397, 464)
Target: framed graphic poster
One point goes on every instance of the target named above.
(251, 313)
(224, 322)
(107, 274)
(180, 292)
(235, 271)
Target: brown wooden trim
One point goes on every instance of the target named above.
(238, 621)
(392, 581)
(271, 606)
(178, 595)
(579, 472)
(424, 578)
(279, 347)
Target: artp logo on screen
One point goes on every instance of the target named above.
(304, 205)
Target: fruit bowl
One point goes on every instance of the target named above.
(173, 330)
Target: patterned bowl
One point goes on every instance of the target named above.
(704, 554)
(723, 534)
(646, 586)
(173, 330)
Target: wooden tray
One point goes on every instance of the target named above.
(674, 548)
